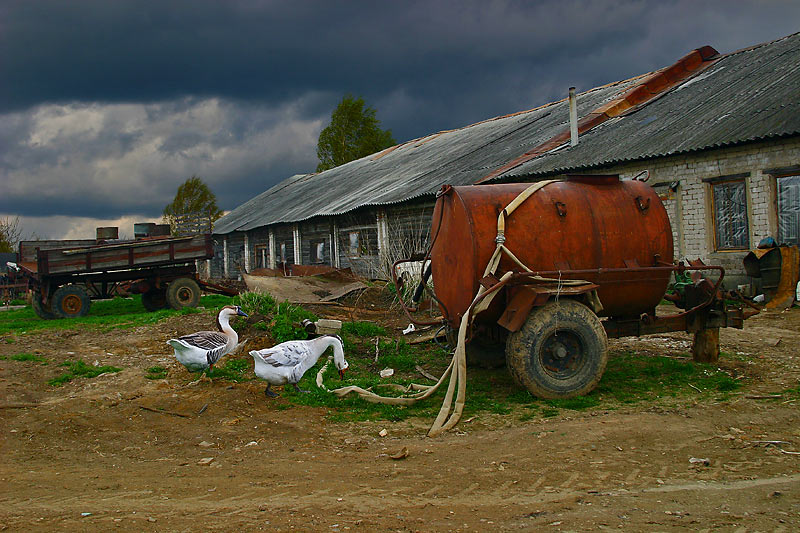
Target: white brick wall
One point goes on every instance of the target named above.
(693, 237)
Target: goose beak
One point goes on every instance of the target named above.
(242, 313)
(341, 374)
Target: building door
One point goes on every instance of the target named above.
(789, 210)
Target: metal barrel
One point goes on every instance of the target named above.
(143, 229)
(161, 230)
(107, 233)
(577, 224)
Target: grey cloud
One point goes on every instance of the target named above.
(100, 160)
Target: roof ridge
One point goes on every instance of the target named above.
(759, 45)
(652, 86)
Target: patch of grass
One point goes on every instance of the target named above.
(549, 412)
(575, 404)
(286, 322)
(28, 357)
(232, 370)
(80, 369)
(363, 329)
(793, 392)
(256, 302)
(117, 313)
(156, 372)
(631, 378)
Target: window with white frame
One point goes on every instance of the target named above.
(731, 231)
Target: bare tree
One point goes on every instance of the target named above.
(9, 234)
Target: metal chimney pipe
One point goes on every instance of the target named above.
(573, 117)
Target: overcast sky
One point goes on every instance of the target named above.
(107, 106)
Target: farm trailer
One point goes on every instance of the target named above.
(65, 276)
(547, 272)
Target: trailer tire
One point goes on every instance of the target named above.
(42, 310)
(71, 301)
(183, 292)
(560, 352)
(154, 300)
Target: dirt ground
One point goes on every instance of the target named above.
(120, 452)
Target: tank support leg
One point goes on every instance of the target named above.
(705, 346)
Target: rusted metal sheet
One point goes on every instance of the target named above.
(598, 225)
(28, 250)
(523, 299)
(124, 255)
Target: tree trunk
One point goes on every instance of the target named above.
(705, 346)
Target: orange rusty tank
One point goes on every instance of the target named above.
(581, 223)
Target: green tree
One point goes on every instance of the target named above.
(193, 198)
(353, 133)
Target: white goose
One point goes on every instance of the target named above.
(288, 361)
(199, 351)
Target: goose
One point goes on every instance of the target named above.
(288, 361)
(201, 350)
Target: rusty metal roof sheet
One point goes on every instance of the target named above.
(747, 95)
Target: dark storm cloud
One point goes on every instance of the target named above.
(487, 57)
(107, 106)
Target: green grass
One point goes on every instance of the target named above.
(156, 372)
(236, 370)
(363, 372)
(79, 369)
(28, 357)
(629, 379)
(117, 313)
(255, 302)
(282, 320)
(363, 329)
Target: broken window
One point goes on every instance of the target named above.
(353, 249)
(731, 231)
(261, 255)
(789, 210)
(317, 252)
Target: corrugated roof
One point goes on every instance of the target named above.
(747, 95)
(412, 169)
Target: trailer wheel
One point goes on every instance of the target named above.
(154, 300)
(71, 301)
(560, 352)
(42, 310)
(183, 292)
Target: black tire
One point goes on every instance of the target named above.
(71, 301)
(183, 292)
(42, 310)
(560, 352)
(154, 300)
